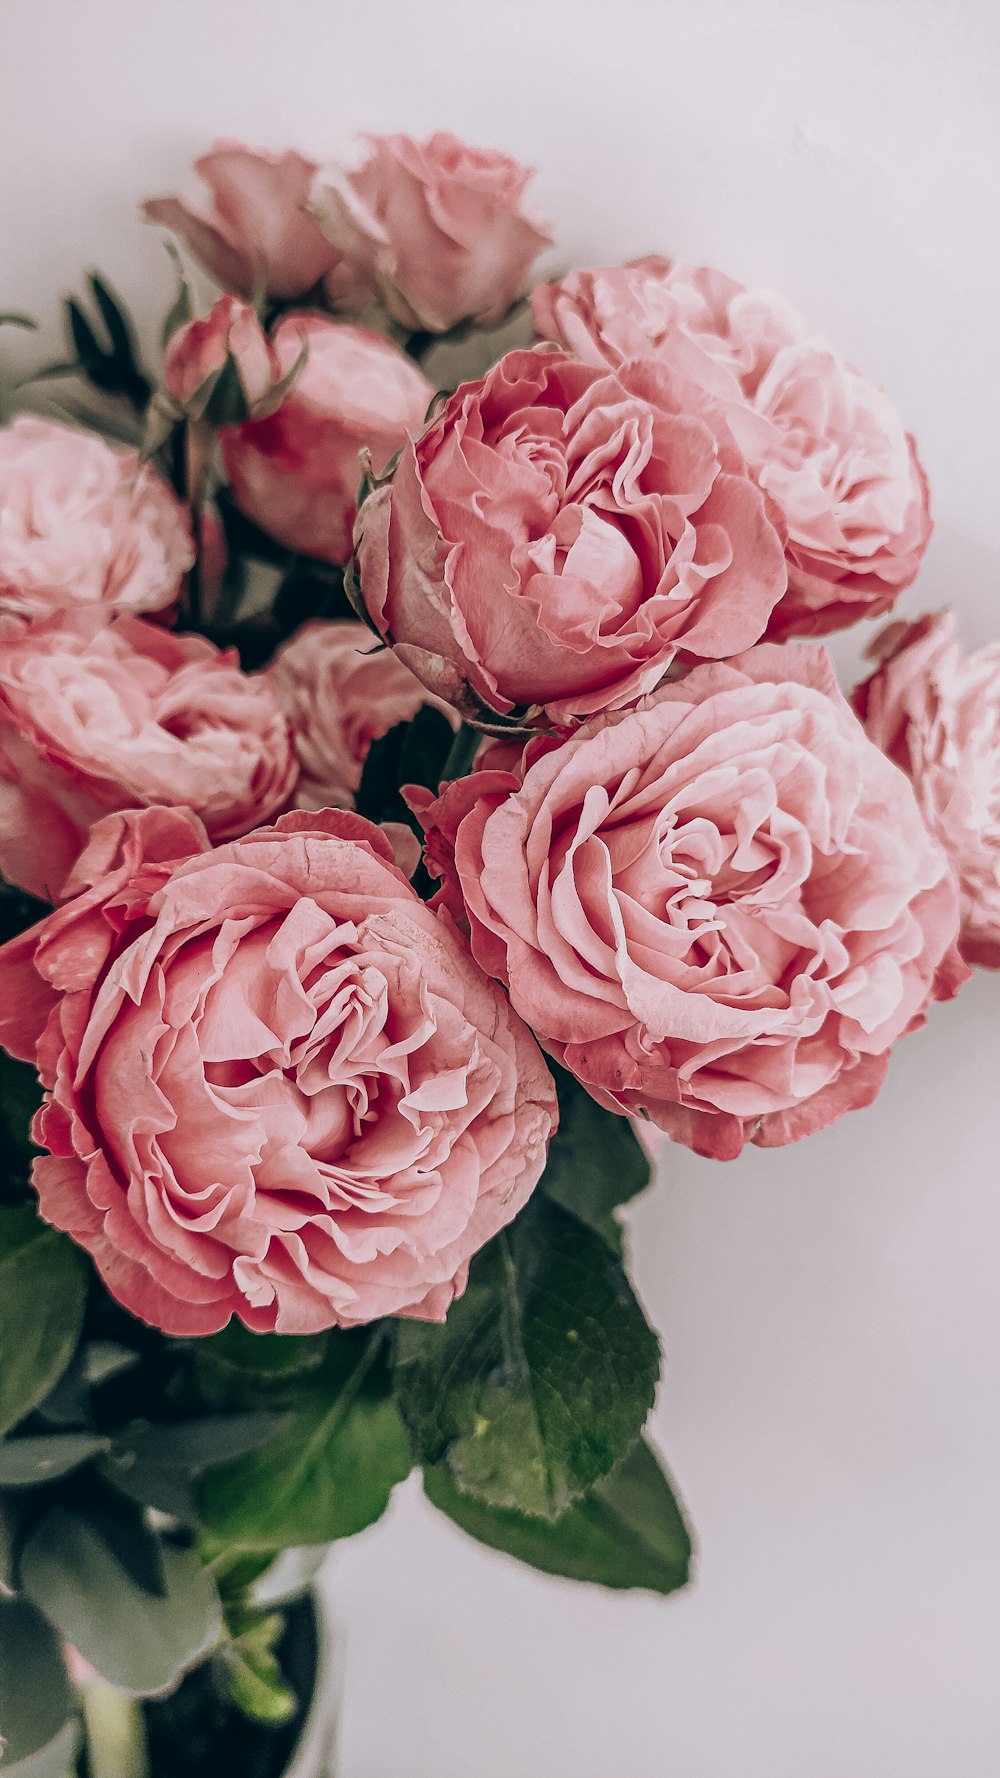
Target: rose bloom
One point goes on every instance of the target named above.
(827, 446)
(98, 714)
(222, 360)
(719, 909)
(937, 715)
(278, 1086)
(84, 525)
(340, 692)
(297, 473)
(559, 533)
(251, 226)
(438, 226)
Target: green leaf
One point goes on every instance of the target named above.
(627, 1532)
(56, 1760)
(16, 1511)
(240, 1369)
(14, 318)
(117, 323)
(35, 1695)
(43, 1287)
(156, 1464)
(412, 752)
(181, 309)
(85, 342)
(543, 1374)
(596, 1161)
(122, 1528)
(136, 1641)
(256, 1683)
(328, 1475)
(20, 1097)
(28, 1462)
(18, 911)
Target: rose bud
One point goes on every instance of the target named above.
(937, 714)
(827, 447)
(222, 368)
(437, 226)
(251, 229)
(297, 473)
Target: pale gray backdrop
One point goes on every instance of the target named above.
(830, 1312)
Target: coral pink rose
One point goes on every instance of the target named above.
(827, 446)
(98, 714)
(559, 533)
(438, 226)
(251, 228)
(340, 692)
(297, 474)
(221, 367)
(85, 525)
(719, 909)
(938, 716)
(278, 1086)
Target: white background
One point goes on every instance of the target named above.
(830, 1312)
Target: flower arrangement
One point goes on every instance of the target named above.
(414, 802)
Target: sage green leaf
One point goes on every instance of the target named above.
(182, 308)
(35, 1695)
(27, 1462)
(43, 1288)
(243, 1365)
(136, 1641)
(542, 1375)
(155, 1464)
(595, 1161)
(56, 1760)
(629, 1530)
(116, 320)
(256, 1683)
(328, 1475)
(20, 1097)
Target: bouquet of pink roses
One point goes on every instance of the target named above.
(414, 799)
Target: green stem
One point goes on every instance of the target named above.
(115, 1731)
(464, 748)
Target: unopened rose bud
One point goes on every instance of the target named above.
(222, 368)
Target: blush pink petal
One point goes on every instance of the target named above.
(560, 534)
(85, 526)
(936, 714)
(100, 713)
(719, 909)
(825, 445)
(278, 1086)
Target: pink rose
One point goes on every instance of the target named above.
(719, 909)
(251, 227)
(826, 446)
(297, 473)
(278, 1086)
(938, 716)
(438, 226)
(221, 367)
(559, 533)
(340, 692)
(98, 714)
(85, 525)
